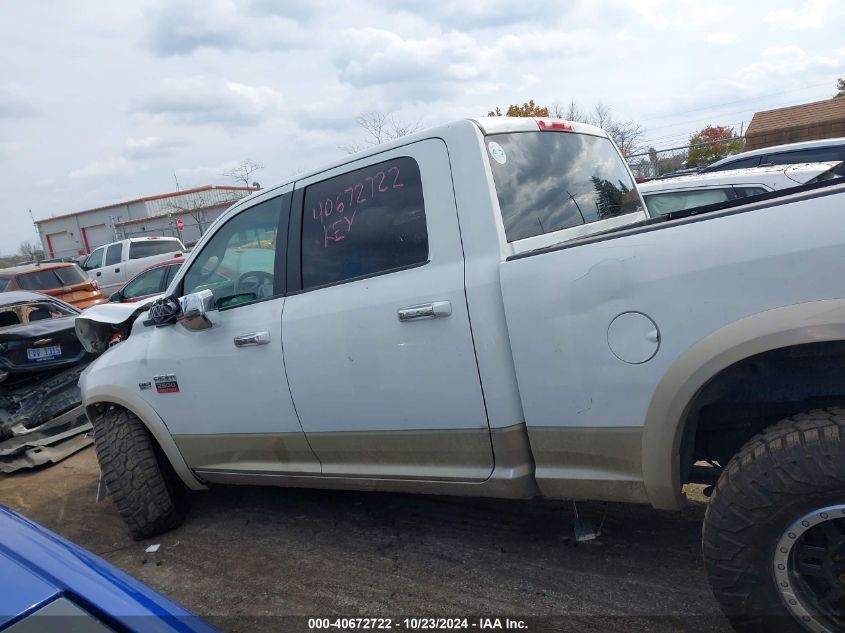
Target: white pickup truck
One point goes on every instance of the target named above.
(112, 265)
(485, 309)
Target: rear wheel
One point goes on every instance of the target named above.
(774, 532)
(141, 482)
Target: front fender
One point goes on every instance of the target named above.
(96, 391)
(813, 322)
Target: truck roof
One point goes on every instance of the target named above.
(487, 125)
(787, 147)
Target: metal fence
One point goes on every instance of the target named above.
(652, 164)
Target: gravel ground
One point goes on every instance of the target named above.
(247, 558)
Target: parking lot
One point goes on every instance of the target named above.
(247, 558)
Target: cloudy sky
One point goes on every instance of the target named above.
(106, 101)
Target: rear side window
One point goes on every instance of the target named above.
(148, 248)
(364, 222)
(743, 163)
(70, 275)
(744, 192)
(663, 203)
(816, 155)
(548, 181)
(113, 254)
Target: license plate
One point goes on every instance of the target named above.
(44, 353)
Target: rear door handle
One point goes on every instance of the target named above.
(256, 338)
(425, 311)
(117, 270)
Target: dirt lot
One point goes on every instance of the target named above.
(247, 556)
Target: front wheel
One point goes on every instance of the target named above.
(141, 482)
(774, 532)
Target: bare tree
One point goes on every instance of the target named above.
(31, 250)
(380, 127)
(243, 172)
(626, 134)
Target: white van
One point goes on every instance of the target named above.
(669, 195)
(112, 265)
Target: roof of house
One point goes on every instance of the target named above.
(829, 110)
(159, 196)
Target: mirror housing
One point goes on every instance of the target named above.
(194, 310)
(116, 297)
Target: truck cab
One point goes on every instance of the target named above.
(112, 265)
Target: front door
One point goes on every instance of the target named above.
(378, 347)
(222, 391)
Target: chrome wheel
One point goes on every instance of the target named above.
(809, 568)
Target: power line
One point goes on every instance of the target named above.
(718, 105)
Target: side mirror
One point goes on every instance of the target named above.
(116, 297)
(194, 310)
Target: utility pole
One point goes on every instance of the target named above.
(37, 233)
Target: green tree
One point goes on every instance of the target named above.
(712, 143)
(529, 108)
(840, 86)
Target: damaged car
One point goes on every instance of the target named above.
(41, 417)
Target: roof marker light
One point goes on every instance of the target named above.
(552, 125)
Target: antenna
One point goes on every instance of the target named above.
(178, 188)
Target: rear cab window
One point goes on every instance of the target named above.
(550, 181)
(148, 248)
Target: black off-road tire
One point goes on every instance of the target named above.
(146, 491)
(791, 469)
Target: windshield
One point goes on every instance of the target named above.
(547, 181)
(52, 278)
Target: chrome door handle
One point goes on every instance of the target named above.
(426, 311)
(256, 338)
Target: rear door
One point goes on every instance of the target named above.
(378, 347)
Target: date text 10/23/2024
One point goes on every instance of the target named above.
(338, 215)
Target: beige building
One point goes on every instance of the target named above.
(80, 232)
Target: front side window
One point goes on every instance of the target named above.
(364, 222)
(148, 248)
(4, 283)
(95, 260)
(148, 283)
(238, 263)
(113, 254)
(672, 201)
(548, 181)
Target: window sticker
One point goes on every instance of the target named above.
(497, 152)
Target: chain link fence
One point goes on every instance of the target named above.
(660, 162)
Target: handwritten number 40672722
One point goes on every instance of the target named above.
(346, 204)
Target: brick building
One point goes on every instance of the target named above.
(806, 122)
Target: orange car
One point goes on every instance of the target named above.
(65, 281)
